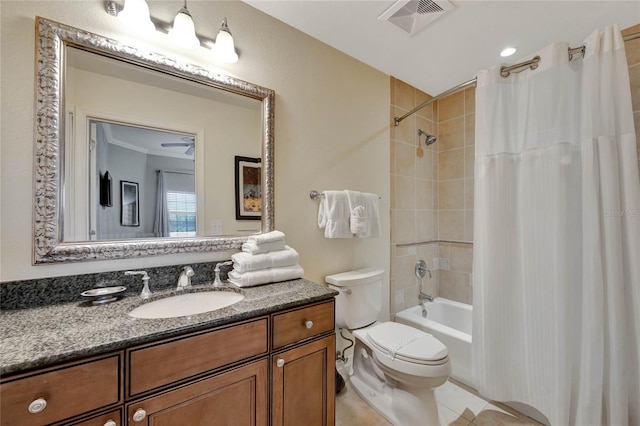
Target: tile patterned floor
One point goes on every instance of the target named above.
(458, 405)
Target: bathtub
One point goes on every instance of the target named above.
(449, 322)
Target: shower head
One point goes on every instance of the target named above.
(429, 139)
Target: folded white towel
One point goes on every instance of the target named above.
(364, 219)
(265, 276)
(333, 214)
(266, 238)
(245, 262)
(255, 248)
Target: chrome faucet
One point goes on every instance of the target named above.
(184, 281)
(422, 297)
(145, 293)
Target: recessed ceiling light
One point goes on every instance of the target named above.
(508, 52)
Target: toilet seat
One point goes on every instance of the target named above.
(405, 343)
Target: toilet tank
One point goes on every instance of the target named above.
(360, 298)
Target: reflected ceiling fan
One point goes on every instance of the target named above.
(189, 142)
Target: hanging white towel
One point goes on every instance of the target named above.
(265, 276)
(333, 214)
(246, 262)
(256, 248)
(364, 217)
(267, 237)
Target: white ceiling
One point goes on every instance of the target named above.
(451, 49)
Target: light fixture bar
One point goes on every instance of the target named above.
(112, 8)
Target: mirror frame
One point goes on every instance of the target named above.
(51, 42)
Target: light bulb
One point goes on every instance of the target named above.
(183, 32)
(135, 15)
(224, 47)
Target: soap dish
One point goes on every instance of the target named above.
(101, 295)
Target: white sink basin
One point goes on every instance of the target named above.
(186, 304)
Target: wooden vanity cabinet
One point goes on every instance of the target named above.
(303, 367)
(271, 370)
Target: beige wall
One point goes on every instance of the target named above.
(331, 128)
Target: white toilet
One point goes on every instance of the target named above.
(395, 366)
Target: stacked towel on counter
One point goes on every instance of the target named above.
(265, 259)
(247, 262)
(265, 276)
(349, 214)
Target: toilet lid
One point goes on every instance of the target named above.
(407, 343)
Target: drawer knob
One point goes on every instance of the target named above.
(308, 324)
(110, 423)
(37, 406)
(280, 362)
(139, 415)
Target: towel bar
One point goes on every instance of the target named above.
(314, 195)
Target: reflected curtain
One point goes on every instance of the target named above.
(161, 222)
(556, 274)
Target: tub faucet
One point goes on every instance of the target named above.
(422, 297)
(184, 281)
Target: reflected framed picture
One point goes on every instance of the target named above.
(248, 188)
(129, 204)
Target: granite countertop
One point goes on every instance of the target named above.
(41, 336)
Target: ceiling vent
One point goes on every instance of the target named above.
(413, 15)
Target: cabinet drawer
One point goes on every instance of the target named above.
(166, 362)
(68, 390)
(303, 323)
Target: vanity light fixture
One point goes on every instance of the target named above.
(183, 31)
(224, 48)
(508, 51)
(135, 14)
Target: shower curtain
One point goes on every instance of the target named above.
(556, 273)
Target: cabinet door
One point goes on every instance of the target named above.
(238, 397)
(303, 381)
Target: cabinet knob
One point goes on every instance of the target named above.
(308, 324)
(110, 423)
(280, 362)
(139, 415)
(37, 406)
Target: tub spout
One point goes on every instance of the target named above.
(424, 296)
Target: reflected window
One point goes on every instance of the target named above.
(182, 213)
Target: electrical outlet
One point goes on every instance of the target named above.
(216, 227)
(444, 263)
(436, 264)
(399, 297)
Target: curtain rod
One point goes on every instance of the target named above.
(504, 71)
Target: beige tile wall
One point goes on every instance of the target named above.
(455, 147)
(414, 195)
(633, 59)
